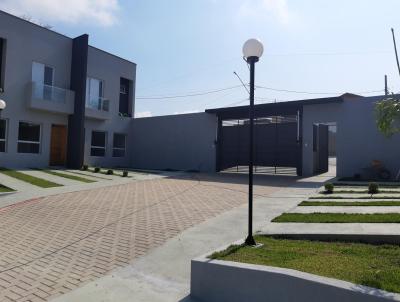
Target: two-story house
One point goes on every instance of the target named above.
(68, 103)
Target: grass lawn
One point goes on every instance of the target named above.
(4, 189)
(359, 192)
(338, 218)
(73, 177)
(93, 176)
(381, 185)
(29, 179)
(371, 265)
(351, 203)
(362, 197)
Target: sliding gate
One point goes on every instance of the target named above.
(277, 147)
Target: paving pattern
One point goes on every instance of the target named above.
(52, 245)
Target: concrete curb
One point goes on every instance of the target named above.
(216, 280)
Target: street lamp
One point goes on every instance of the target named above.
(2, 105)
(252, 51)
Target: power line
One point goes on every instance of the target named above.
(308, 92)
(159, 97)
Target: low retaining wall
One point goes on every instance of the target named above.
(217, 281)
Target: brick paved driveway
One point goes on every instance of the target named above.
(54, 244)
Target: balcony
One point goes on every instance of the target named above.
(97, 108)
(50, 98)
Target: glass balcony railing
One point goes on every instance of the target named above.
(49, 93)
(98, 103)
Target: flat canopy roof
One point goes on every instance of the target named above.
(290, 107)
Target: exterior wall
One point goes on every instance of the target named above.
(179, 142)
(358, 140)
(106, 67)
(26, 43)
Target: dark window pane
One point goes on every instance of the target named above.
(2, 129)
(2, 146)
(118, 153)
(29, 132)
(97, 152)
(48, 76)
(98, 139)
(28, 148)
(119, 141)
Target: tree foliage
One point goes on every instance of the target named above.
(388, 116)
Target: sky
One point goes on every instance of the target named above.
(181, 47)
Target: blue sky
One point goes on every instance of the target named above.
(183, 47)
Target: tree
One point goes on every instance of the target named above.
(388, 116)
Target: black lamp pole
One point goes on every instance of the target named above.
(252, 61)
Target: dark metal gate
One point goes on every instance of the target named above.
(276, 144)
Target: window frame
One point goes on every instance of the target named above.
(3, 56)
(117, 148)
(30, 142)
(5, 139)
(98, 147)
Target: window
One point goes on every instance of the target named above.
(28, 138)
(94, 93)
(43, 77)
(2, 62)
(3, 135)
(124, 96)
(98, 146)
(119, 143)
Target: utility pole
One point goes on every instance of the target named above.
(395, 51)
(386, 86)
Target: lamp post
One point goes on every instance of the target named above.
(2, 105)
(252, 51)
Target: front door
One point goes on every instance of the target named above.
(58, 145)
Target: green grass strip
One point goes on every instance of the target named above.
(338, 218)
(72, 177)
(350, 203)
(370, 265)
(385, 185)
(36, 181)
(4, 189)
(84, 174)
(359, 192)
(362, 197)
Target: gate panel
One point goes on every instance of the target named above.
(275, 143)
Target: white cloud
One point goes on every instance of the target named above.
(143, 114)
(187, 111)
(94, 12)
(277, 8)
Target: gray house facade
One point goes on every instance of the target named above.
(68, 103)
(292, 136)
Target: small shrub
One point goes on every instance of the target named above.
(85, 167)
(125, 173)
(110, 172)
(329, 188)
(96, 169)
(373, 188)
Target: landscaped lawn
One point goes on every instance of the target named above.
(4, 189)
(371, 265)
(29, 179)
(381, 191)
(351, 203)
(361, 197)
(73, 177)
(338, 218)
(84, 174)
